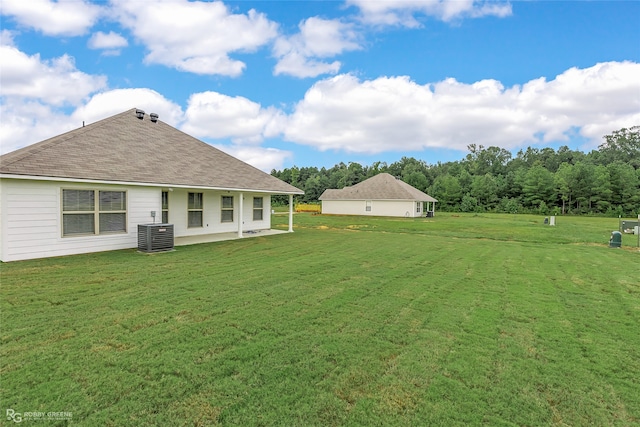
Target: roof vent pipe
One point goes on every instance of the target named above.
(140, 114)
(154, 117)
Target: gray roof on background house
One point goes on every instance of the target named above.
(379, 187)
(124, 148)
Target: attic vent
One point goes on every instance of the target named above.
(140, 114)
(154, 117)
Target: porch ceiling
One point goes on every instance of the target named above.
(220, 237)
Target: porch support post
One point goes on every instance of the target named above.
(290, 213)
(240, 215)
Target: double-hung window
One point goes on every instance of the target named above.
(86, 212)
(367, 206)
(165, 207)
(195, 210)
(226, 214)
(257, 208)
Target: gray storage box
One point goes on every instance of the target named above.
(155, 237)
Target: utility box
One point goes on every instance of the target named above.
(616, 239)
(155, 237)
(628, 226)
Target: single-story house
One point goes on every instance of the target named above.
(380, 195)
(87, 190)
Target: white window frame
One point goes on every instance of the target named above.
(258, 210)
(165, 207)
(96, 212)
(367, 206)
(195, 209)
(224, 209)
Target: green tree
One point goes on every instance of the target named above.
(314, 187)
(414, 175)
(625, 186)
(563, 179)
(621, 145)
(465, 179)
(582, 183)
(295, 175)
(601, 192)
(377, 168)
(513, 182)
(485, 190)
(543, 208)
(491, 160)
(336, 175)
(566, 155)
(416, 179)
(469, 204)
(538, 186)
(354, 174)
(447, 190)
(509, 205)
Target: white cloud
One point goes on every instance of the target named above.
(35, 92)
(6, 38)
(318, 38)
(25, 122)
(110, 40)
(265, 159)
(214, 115)
(297, 65)
(195, 37)
(55, 81)
(397, 114)
(116, 101)
(403, 12)
(54, 18)
(31, 118)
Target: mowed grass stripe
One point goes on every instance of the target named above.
(328, 327)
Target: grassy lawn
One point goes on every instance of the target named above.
(454, 320)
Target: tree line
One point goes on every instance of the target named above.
(490, 179)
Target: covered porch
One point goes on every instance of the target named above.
(220, 237)
(241, 232)
(429, 208)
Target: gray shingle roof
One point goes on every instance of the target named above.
(124, 148)
(380, 187)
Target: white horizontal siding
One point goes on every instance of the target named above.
(395, 208)
(344, 207)
(141, 202)
(31, 222)
(212, 212)
(247, 213)
(401, 208)
(31, 217)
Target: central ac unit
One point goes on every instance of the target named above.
(155, 237)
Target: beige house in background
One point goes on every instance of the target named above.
(380, 195)
(87, 190)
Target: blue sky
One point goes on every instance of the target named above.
(315, 83)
